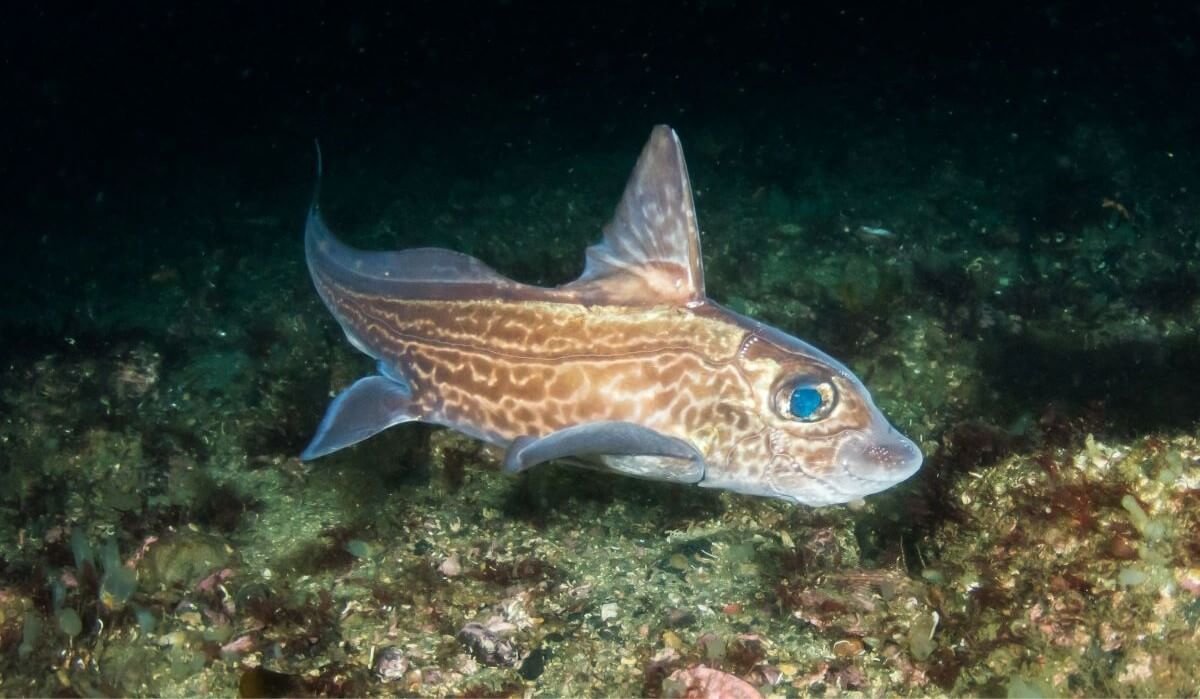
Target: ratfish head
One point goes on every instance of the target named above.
(817, 433)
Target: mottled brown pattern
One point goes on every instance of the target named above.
(633, 341)
(516, 369)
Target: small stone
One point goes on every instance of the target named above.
(1131, 577)
(390, 664)
(672, 640)
(679, 618)
(609, 610)
(1190, 580)
(451, 566)
(238, 647)
(849, 677)
(487, 647)
(701, 681)
(1120, 548)
(534, 665)
(192, 619)
(358, 548)
(766, 675)
(848, 647)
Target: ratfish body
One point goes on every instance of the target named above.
(630, 367)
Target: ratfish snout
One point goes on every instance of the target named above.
(882, 458)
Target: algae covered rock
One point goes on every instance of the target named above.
(182, 560)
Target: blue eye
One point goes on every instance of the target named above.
(807, 401)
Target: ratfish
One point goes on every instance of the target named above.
(630, 368)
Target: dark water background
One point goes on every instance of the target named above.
(147, 138)
(1035, 165)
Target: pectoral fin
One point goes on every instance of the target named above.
(369, 406)
(621, 446)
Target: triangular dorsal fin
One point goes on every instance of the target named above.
(650, 254)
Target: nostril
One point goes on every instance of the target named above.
(891, 459)
(896, 453)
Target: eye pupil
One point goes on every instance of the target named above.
(805, 402)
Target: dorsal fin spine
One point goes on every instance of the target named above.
(650, 252)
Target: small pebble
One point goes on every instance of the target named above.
(1122, 549)
(848, 647)
(450, 567)
(679, 618)
(486, 646)
(1131, 577)
(766, 675)
(701, 681)
(1190, 580)
(390, 664)
(534, 665)
(358, 548)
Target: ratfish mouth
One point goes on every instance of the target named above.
(879, 461)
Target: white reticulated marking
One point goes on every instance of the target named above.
(777, 440)
(664, 415)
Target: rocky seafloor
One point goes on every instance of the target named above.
(1028, 312)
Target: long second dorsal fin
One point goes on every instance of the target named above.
(650, 253)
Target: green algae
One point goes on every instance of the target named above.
(117, 586)
(31, 632)
(69, 622)
(921, 636)
(591, 572)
